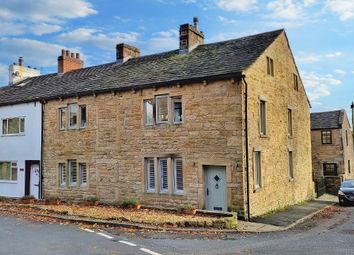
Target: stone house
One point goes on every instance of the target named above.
(221, 126)
(332, 150)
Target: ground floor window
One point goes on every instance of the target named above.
(257, 170)
(72, 173)
(330, 169)
(159, 180)
(8, 171)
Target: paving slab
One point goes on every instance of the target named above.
(295, 213)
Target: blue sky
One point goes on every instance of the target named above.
(321, 34)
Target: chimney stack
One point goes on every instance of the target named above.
(18, 72)
(69, 61)
(125, 52)
(190, 37)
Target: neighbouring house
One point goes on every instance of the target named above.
(20, 137)
(220, 126)
(332, 150)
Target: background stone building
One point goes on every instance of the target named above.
(332, 150)
(222, 126)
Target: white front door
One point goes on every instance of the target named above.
(215, 188)
(34, 184)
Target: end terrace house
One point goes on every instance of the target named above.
(20, 136)
(221, 126)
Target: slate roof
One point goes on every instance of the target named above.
(327, 120)
(215, 60)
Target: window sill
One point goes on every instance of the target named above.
(290, 136)
(10, 135)
(257, 189)
(291, 179)
(263, 136)
(178, 193)
(8, 181)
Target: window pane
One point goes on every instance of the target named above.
(83, 173)
(72, 172)
(72, 116)
(330, 169)
(14, 173)
(178, 174)
(326, 136)
(163, 175)
(291, 165)
(257, 169)
(177, 110)
(4, 127)
(13, 126)
(22, 125)
(162, 109)
(83, 116)
(62, 174)
(62, 116)
(149, 112)
(150, 174)
(5, 170)
(290, 122)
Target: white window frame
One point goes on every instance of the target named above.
(262, 118)
(175, 188)
(157, 99)
(148, 163)
(146, 123)
(63, 176)
(173, 100)
(161, 179)
(13, 165)
(70, 171)
(81, 171)
(257, 168)
(20, 119)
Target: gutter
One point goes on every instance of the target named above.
(247, 153)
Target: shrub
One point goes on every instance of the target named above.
(130, 203)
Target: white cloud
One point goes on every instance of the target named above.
(226, 21)
(97, 38)
(343, 8)
(318, 86)
(236, 5)
(4, 75)
(284, 9)
(352, 72)
(308, 58)
(334, 55)
(35, 53)
(340, 72)
(43, 28)
(163, 41)
(11, 28)
(309, 2)
(44, 10)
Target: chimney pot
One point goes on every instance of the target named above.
(63, 52)
(195, 21)
(67, 53)
(20, 61)
(72, 55)
(77, 55)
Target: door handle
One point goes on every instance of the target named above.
(207, 192)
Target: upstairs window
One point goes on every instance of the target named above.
(72, 115)
(8, 171)
(326, 136)
(330, 169)
(270, 66)
(13, 126)
(262, 118)
(296, 82)
(162, 109)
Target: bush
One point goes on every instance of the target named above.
(130, 203)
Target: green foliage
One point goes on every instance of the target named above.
(130, 202)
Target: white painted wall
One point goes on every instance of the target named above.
(20, 148)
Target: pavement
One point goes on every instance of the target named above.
(288, 218)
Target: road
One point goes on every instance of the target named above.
(322, 235)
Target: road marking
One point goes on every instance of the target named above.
(149, 252)
(104, 235)
(87, 230)
(128, 243)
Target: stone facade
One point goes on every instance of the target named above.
(115, 141)
(339, 152)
